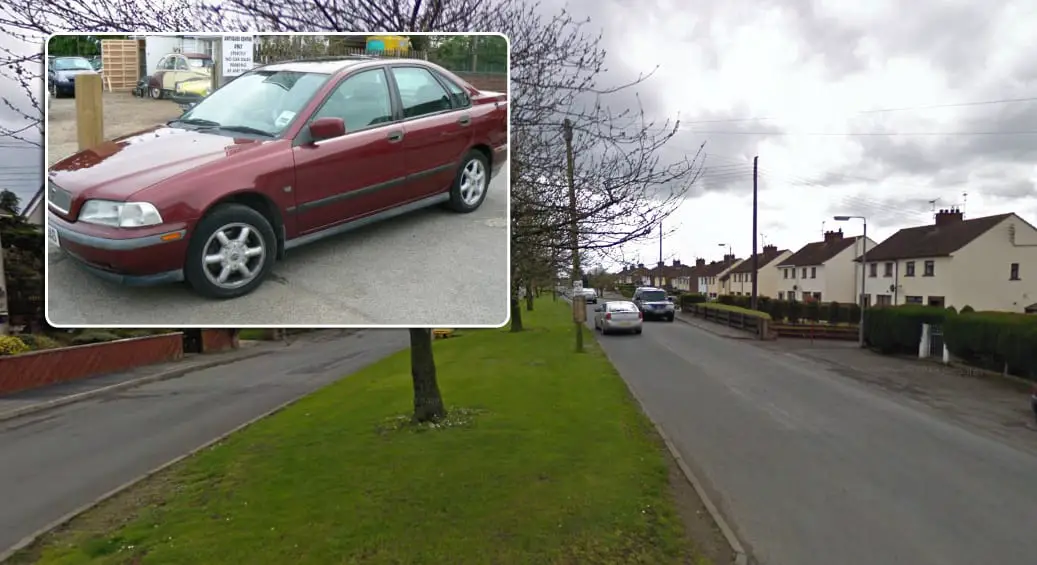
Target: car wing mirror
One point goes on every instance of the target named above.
(327, 128)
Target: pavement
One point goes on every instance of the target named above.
(383, 274)
(59, 460)
(813, 467)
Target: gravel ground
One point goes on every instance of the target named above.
(431, 267)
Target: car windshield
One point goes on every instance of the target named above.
(72, 64)
(622, 307)
(653, 296)
(263, 101)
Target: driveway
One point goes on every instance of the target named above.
(432, 267)
(56, 461)
(813, 467)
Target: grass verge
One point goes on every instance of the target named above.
(545, 459)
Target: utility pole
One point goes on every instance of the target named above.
(217, 64)
(660, 242)
(579, 302)
(756, 209)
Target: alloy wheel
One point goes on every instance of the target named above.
(473, 182)
(233, 256)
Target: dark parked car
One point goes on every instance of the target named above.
(654, 303)
(62, 73)
(281, 156)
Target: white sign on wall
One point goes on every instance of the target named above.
(237, 55)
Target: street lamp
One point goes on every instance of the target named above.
(864, 264)
(727, 245)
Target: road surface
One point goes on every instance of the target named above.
(56, 461)
(815, 469)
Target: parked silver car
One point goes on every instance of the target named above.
(618, 316)
(589, 295)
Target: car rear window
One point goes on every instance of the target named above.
(653, 296)
(622, 307)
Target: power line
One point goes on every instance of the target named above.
(863, 134)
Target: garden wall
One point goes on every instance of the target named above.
(40, 368)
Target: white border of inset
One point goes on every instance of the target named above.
(46, 195)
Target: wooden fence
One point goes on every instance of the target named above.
(746, 322)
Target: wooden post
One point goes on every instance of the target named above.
(89, 111)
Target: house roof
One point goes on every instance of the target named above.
(765, 259)
(716, 267)
(818, 252)
(933, 240)
(33, 203)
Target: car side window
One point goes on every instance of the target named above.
(181, 64)
(161, 64)
(361, 100)
(420, 92)
(458, 96)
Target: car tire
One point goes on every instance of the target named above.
(229, 218)
(474, 170)
(638, 332)
(156, 93)
(669, 318)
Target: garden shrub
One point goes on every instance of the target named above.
(812, 311)
(691, 298)
(39, 342)
(834, 313)
(794, 313)
(11, 345)
(94, 336)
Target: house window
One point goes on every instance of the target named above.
(937, 301)
(883, 300)
(1014, 272)
(930, 268)
(909, 271)
(867, 299)
(781, 295)
(912, 299)
(804, 272)
(786, 272)
(817, 296)
(888, 270)
(873, 270)
(813, 272)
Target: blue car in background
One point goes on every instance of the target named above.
(62, 73)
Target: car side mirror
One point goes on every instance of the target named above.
(327, 128)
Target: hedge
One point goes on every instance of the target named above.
(994, 340)
(627, 290)
(686, 300)
(898, 329)
(795, 311)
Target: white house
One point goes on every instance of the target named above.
(687, 277)
(824, 271)
(33, 211)
(988, 263)
(710, 283)
(739, 280)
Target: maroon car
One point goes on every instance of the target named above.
(283, 155)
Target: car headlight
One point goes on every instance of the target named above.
(120, 214)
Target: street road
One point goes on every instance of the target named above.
(813, 468)
(56, 461)
(432, 267)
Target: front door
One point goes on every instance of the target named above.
(438, 134)
(359, 173)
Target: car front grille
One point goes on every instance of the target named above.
(59, 198)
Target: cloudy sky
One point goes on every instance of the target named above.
(21, 164)
(853, 108)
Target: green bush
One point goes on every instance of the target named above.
(627, 290)
(778, 309)
(834, 313)
(795, 311)
(898, 329)
(966, 309)
(11, 345)
(690, 298)
(994, 340)
(812, 311)
(38, 342)
(726, 299)
(94, 336)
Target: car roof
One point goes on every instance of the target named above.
(648, 288)
(621, 302)
(330, 66)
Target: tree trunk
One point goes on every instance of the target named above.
(428, 402)
(529, 297)
(516, 314)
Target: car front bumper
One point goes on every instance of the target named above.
(139, 257)
(662, 313)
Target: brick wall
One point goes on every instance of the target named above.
(41, 368)
(486, 81)
(219, 340)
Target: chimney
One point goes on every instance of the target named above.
(676, 263)
(948, 217)
(700, 262)
(661, 264)
(728, 258)
(770, 249)
(640, 265)
(833, 235)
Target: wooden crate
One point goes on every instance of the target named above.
(121, 61)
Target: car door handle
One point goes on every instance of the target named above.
(395, 136)
(465, 120)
